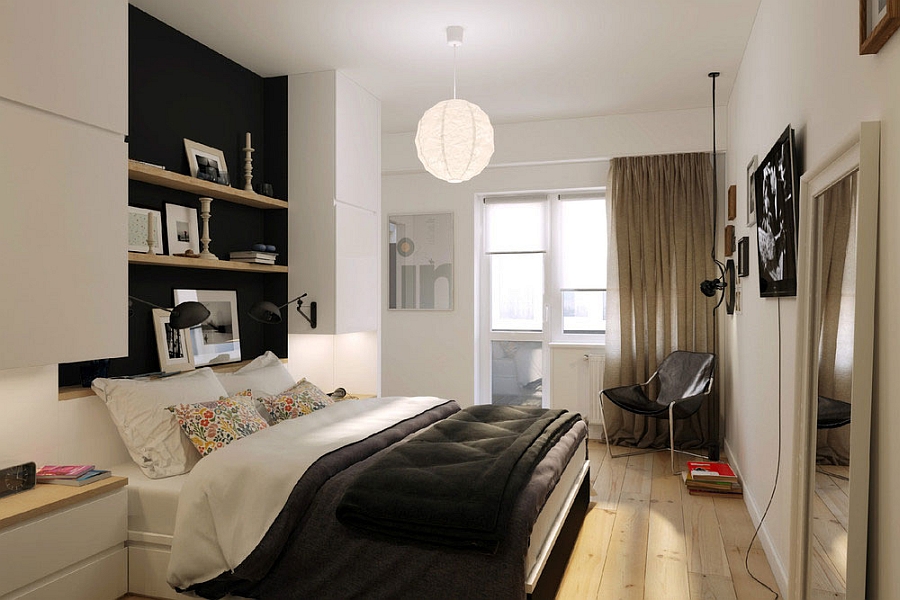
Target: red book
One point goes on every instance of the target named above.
(711, 471)
(62, 471)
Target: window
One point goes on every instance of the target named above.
(543, 279)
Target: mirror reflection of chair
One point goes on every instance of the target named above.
(675, 391)
(832, 413)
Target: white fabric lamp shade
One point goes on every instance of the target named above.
(455, 140)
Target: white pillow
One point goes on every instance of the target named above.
(151, 433)
(264, 375)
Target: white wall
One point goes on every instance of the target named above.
(434, 352)
(801, 66)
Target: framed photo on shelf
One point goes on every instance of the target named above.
(182, 231)
(878, 21)
(216, 340)
(171, 344)
(751, 192)
(140, 221)
(420, 262)
(206, 163)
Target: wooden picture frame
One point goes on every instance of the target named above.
(206, 162)
(732, 202)
(182, 230)
(216, 340)
(729, 240)
(878, 20)
(171, 344)
(138, 227)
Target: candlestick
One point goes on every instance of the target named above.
(248, 165)
(151, 234)
(204, 239)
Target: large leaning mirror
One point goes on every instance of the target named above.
(839, 224)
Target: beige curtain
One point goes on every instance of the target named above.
(660, 226)
(838, 301)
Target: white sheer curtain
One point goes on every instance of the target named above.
(660, 226)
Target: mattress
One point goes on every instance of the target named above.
(152, 504)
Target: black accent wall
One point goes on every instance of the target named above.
(179, 88)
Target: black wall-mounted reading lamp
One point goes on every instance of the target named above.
(266, 312)
(184, 316)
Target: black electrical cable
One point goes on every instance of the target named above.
(777, 467)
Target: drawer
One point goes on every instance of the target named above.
(47, 544)
(102, 577)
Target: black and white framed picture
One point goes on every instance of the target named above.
(171, 344)
(751, 192)
(743, 266)
(141, 222)
(216, 340)
(206, 163)
(182, 231)
(776, 219)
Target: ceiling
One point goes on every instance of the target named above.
(521, 60)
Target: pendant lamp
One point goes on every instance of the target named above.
(455, 139)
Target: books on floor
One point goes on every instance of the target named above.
(252, 256)
(89, 477)
(711, 478)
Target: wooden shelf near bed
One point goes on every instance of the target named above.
(164, 260)
(45, 498)
(176, 181)
(71, 392)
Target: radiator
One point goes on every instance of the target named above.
(590, 382)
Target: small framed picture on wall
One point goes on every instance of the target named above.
(751, 192)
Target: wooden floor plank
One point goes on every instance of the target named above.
(829, 548)
(666, 572)
(711, 587)
(623, 571)
(706, 552)
(585, 568)
(836, 499)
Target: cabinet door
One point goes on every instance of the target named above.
(356, 277)
(357, 145)
(68, 58)
(62, 239)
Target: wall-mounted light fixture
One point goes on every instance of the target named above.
(710, 287)
(267, 312)
(184, 316)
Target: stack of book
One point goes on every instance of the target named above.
(711, 478)
(252, 256)
(76, 475)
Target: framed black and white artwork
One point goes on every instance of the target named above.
(182, 231)
(171, 344)
(217, 339)
(751, 192)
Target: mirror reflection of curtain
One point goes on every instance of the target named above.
(838, 299)
(660, 227)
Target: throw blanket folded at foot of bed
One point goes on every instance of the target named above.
(455, 483)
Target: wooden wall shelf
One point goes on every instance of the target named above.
(164, 260)
(176, 181)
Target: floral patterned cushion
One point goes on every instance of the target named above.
(212, 425)
(296, 401)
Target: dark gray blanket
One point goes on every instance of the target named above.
(454, 484)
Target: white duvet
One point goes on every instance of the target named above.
(232, 496)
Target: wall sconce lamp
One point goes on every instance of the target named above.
(710, 287)
(184, 316)
(266, 312)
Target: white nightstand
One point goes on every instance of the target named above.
(67, 542)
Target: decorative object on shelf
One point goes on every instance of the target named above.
(878, 20)
(751, 192)
(743, 246)
(259, 247)
(729, 240)
(454, 138)
(171, 344)
(252, 256)
(709, 287)
(729, 279)
(248, 165)
(204, 214)
(217, 339)
(17, 478)
(270, 314)
(181, 229)
(142, 222)
(420, 261)
(206, 163)
(188, 254)
(732, 202)
(151, 235)
(185, 314)
(265, 189)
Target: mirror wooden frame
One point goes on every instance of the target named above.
(862, 152)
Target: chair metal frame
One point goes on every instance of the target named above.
(671, 447)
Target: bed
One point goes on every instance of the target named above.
(257, 518)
